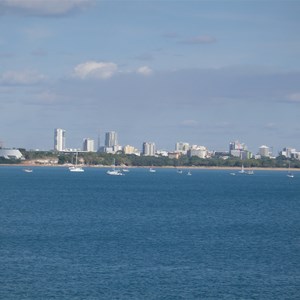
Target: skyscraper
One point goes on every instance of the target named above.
(88, 145)
(59, 139)
(111, 139)
(148, 149)
(182, 147)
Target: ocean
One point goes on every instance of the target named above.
(145, 235)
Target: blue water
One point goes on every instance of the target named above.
(147, 235)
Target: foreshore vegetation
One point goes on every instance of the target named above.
(105, 159)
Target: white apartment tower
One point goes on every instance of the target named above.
(182, 147)
(148, 149)
(59, 139)
(88, 145)
(111, 139)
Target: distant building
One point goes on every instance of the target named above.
(221, 154)
(182, 147)
(88, 145)
(111, 143)
(59, 139)
(106, 149)
(242, 154)
(111, 139)
(11, 153)
(296, 155)
(162, 153)
(117, 148)
(130, 150)
(288, 152)
(148, 149)
(173, 155)
(264, 151)
(236, 147)
(199, 151)
(246, 154)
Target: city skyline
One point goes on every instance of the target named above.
(111, 145)
(235, 148)
(164, 71)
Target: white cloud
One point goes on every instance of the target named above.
(43, 7)
(21, 77)
(95, 70)
(146, 71)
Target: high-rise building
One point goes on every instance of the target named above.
(236, 145)
(111, 139)
(182, 147)
(288, 152)
(264, 151)
(237, 149)
(148, 149)
(88, 145)
(99, 144)
(59, 139)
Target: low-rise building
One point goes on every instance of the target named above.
(11, 153)
(199, 151)
(131, 150)
(174, 155)
(288, 152)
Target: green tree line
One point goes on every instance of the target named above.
(105, 159)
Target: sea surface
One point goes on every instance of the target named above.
(145, 235)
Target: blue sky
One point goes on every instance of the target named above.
(203, 72)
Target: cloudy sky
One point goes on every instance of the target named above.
(203, 72)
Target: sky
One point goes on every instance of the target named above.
(202, 72)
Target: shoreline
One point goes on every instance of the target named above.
(24, 165)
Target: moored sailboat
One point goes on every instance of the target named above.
(76, 168)
(114, 171)
(290, 174)
(151, 170)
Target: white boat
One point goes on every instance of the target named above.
(179, 171)
(189, 173)
(76, 168)
(233, 174)
(250, 172)
(28, 170)
(242, 171)
(151, 170)
(114, 171)
(125, 170)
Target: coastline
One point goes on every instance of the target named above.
(24, 165)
